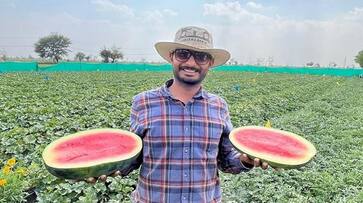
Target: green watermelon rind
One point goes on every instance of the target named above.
(91, 171)
(95, 170)
(273, 163)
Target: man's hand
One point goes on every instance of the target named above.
(102, 178)
(253, 162)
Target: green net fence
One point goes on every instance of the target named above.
(296, 70)
(86, 67)
(106, 67)
(18, 66)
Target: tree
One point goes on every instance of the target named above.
(113, 53)
(3, 57)
(106, 55)
(359, 58)
(88, 57)
(80, 56)
(232, 61)
(53, 46)
(332, 64)
(116, 54)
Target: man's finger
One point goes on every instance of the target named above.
(91, 180)
(264, 165)
(244, 158)
(117, 173)
(102, 178)
(256, 162)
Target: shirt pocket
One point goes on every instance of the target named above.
(215, 130)
(208, 135)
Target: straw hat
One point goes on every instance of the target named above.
(193, 38)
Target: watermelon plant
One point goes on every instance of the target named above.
(38, 108)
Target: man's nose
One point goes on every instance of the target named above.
(191, 61)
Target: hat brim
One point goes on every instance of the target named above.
(164, 49)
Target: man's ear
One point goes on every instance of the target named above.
(171, 56)
(211, 62)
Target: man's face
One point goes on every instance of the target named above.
(190, 67)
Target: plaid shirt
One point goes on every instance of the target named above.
(183, 147)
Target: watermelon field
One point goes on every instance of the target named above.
(37, 108)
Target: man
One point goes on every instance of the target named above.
(184, 128)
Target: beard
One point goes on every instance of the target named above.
(186, 78)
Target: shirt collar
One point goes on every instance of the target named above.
(201, 94)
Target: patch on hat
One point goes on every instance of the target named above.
(194, 36)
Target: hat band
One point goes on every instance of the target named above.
(195, 42)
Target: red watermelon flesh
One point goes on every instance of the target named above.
(94, 147)
(283, 146)
(279, 148)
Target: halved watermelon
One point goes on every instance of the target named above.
(91, 153)
(279, 148)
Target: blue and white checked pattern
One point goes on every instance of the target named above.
(183, 147)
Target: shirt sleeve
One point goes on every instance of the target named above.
(228, 156)
(137, 128)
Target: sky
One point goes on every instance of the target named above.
(282, 32)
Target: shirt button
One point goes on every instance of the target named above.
(186, 150)
(186, 129)
(184, 197)
(185, 174)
